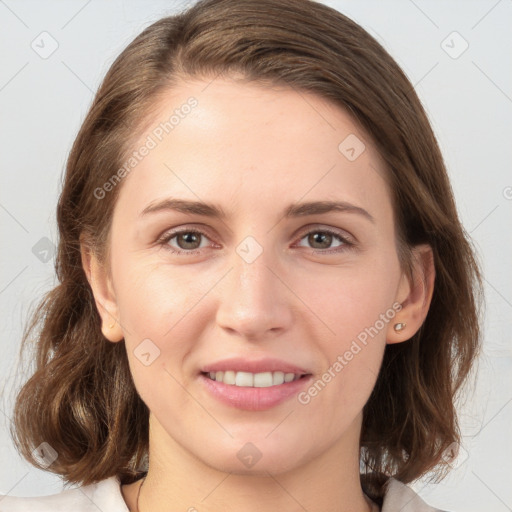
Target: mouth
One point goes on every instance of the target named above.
(254, 380)
(253, 384)
(253, 391)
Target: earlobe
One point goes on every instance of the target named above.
(414, 295)
(112, 331)
(102, 290)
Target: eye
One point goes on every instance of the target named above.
(187, 240)
(322, 239)
(190, 241)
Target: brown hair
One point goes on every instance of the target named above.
(81, 398)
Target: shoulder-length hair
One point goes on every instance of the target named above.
(81, 399)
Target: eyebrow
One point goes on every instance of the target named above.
(293, 210)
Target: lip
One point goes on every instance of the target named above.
(267, 364)
(254, 399)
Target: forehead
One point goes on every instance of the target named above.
(243, 142)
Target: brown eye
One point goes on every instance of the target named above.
(322, 240)
(186, 241)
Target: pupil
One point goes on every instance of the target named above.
(324, 237)
(187, 238)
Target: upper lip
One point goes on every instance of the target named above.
(266, 364)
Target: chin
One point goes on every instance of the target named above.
(258, 458)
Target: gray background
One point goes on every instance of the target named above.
(467, 94)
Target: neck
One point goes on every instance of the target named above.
(178, 480)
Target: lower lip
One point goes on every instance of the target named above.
(254, 399)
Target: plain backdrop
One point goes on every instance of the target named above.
(458, 55)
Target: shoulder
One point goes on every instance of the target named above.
(103, 495)
(400, 497)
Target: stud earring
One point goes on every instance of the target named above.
(399, 327)
(112, 325)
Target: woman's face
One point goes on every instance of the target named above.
(305, 290)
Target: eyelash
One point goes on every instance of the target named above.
(167, 237)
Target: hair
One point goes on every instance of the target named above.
(81, 398)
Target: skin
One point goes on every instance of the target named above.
(253, 150)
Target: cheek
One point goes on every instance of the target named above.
(165, 305)
(352, 299)
(153, 306)
(151, 298)
(356, 303)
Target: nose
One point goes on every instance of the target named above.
(255, 301)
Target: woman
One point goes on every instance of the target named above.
(266, 300)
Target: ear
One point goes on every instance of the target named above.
(103, 292)
(414, 295)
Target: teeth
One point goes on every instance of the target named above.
(244, 379)
(256, 380)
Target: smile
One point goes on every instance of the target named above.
(256, 380)
(253, 392)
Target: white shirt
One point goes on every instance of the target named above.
(106, 496)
